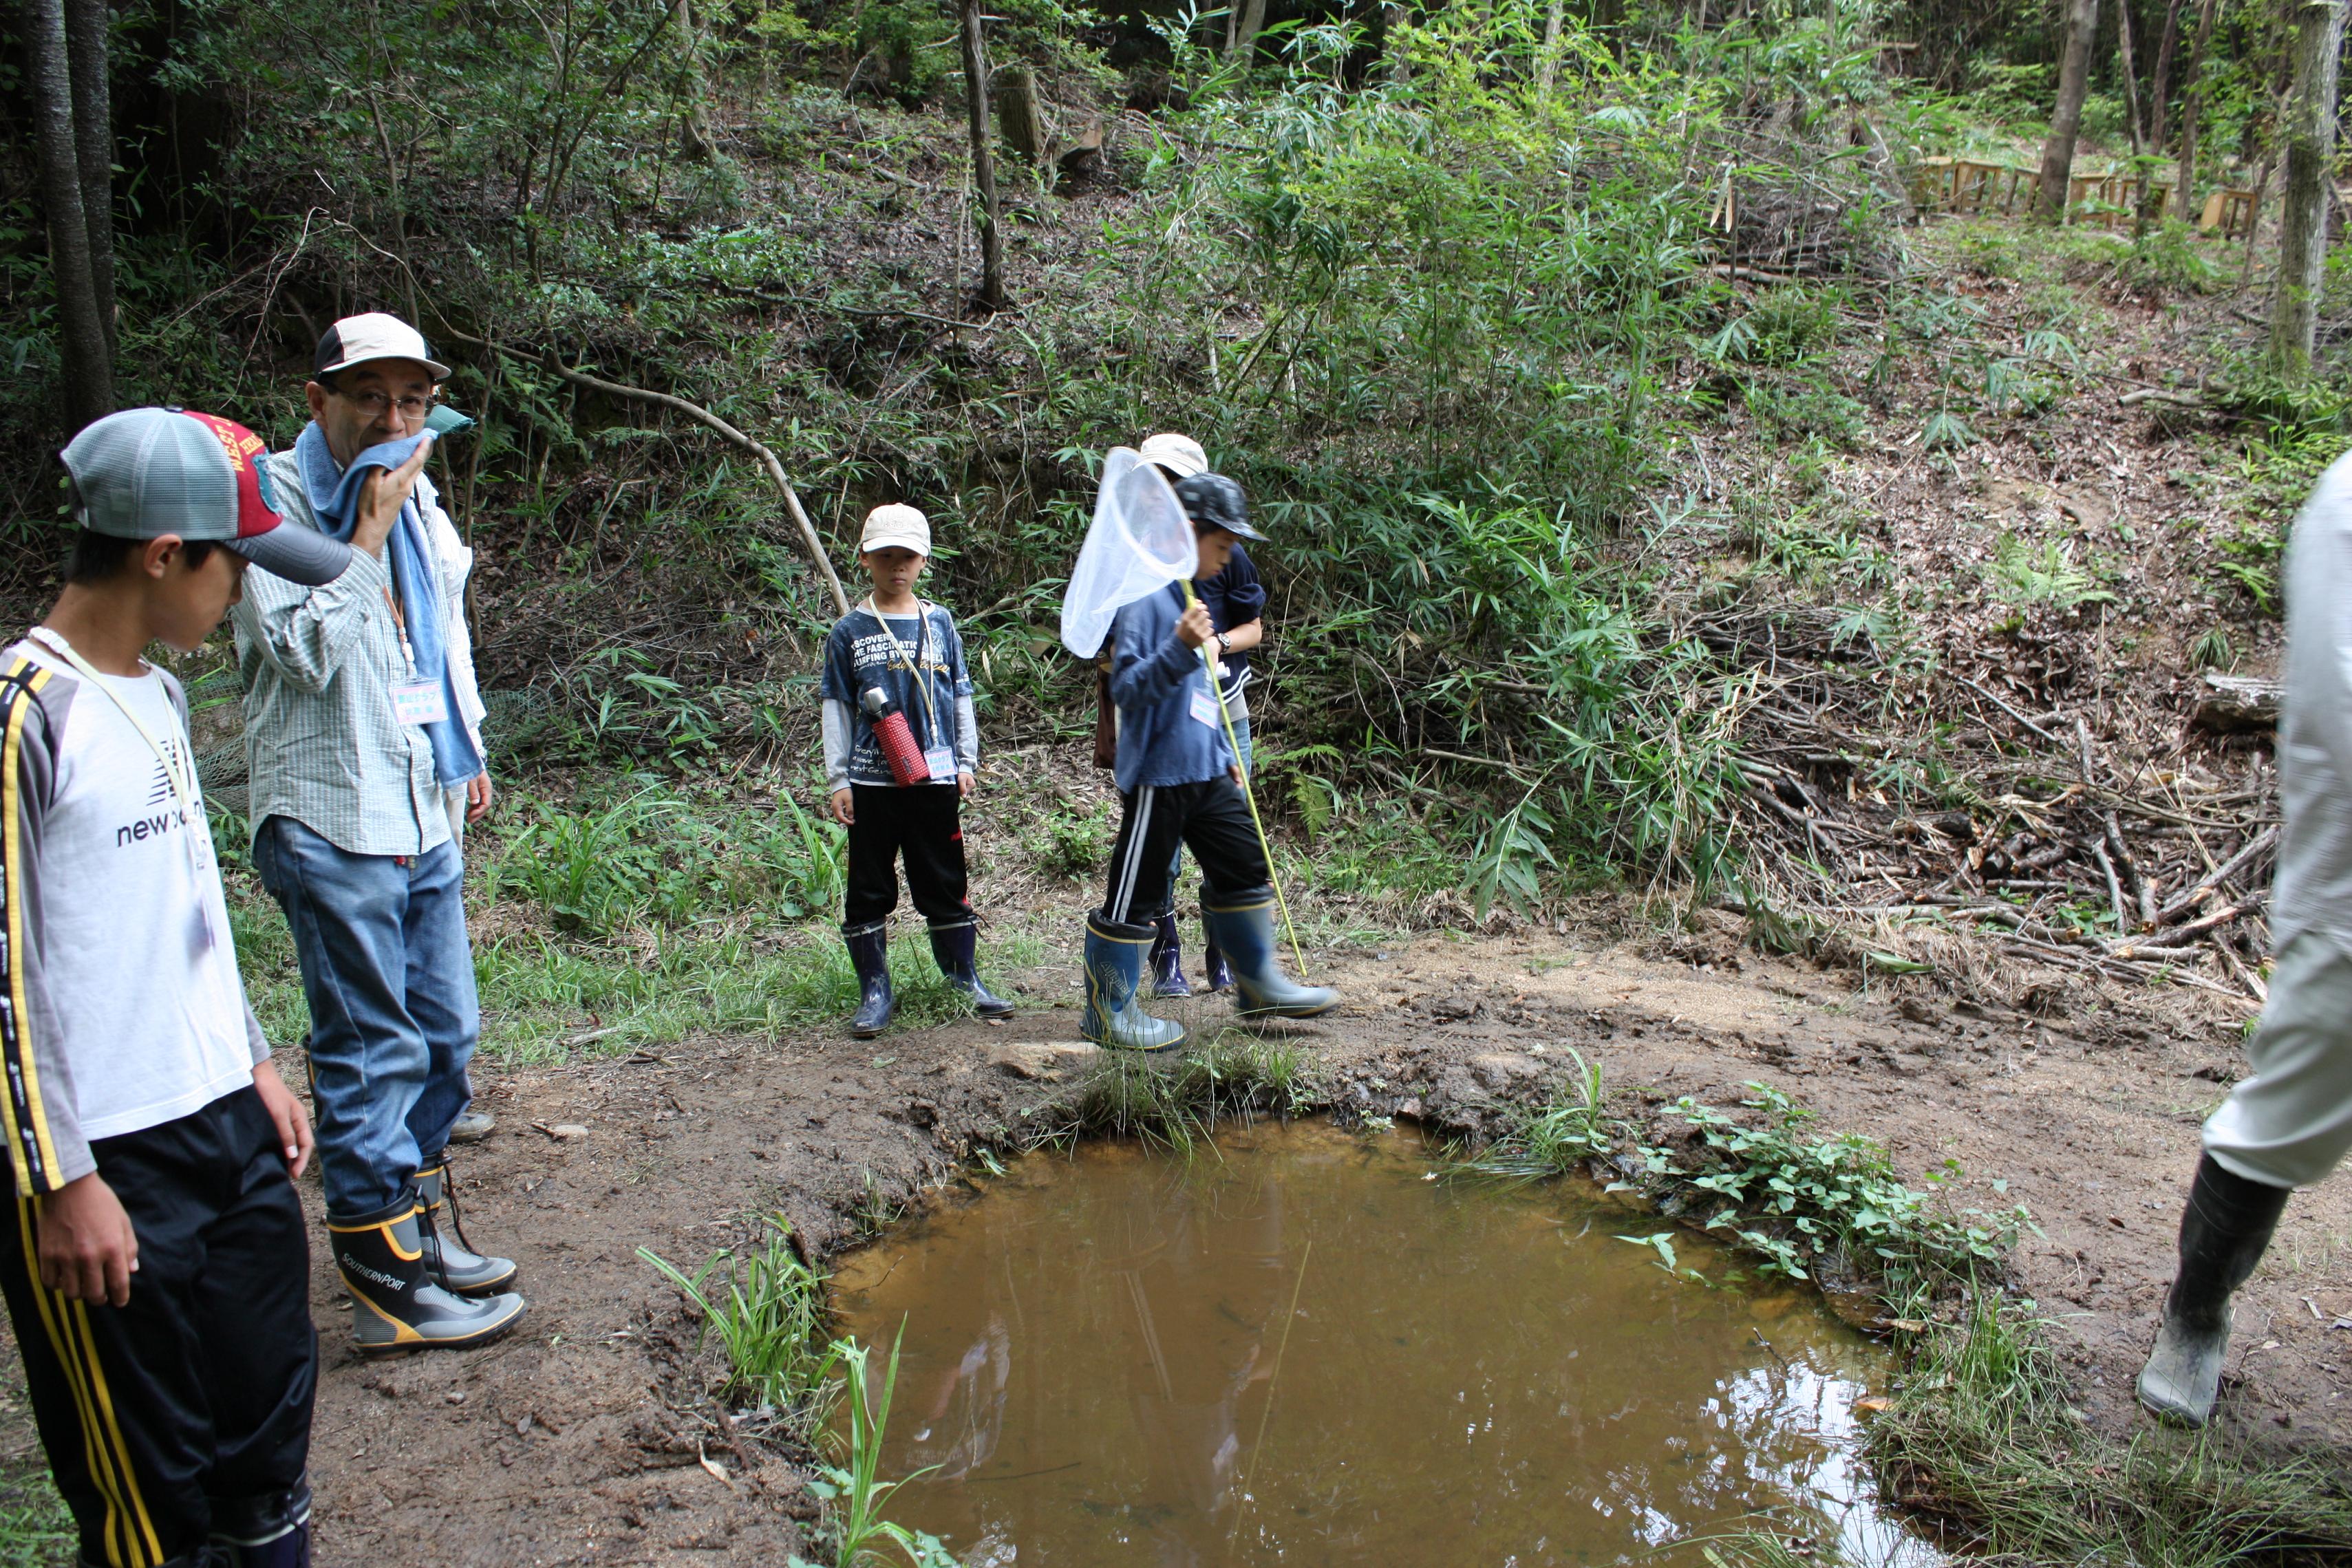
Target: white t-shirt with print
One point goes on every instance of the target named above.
(150, 1004)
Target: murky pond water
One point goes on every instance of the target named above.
(1295, 1348)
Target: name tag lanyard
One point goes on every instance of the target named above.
(913, 660)
(415, 700)
(197, 831)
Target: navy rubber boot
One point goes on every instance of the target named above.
(1213, 969)
(263, 1532)
(1242, 925)
(869, 954)
(1115, 1019)
(1167, 959)
(955, 948)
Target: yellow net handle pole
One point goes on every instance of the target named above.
(1234, 744)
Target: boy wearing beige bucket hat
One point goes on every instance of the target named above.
(901, 751)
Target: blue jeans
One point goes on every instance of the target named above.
(1242, 739)
(389, 976)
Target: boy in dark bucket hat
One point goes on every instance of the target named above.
(1179, 781)
(155, 1267)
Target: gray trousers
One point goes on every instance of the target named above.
(2290, 1122)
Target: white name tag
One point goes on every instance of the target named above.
(942, 765)
(1205, 708)
(420, 702)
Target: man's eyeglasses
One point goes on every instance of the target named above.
(373, 404)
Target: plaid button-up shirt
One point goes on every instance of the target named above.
(323, 743)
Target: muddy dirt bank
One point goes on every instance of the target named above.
(581, 1438)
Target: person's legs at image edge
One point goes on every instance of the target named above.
(2286, 1125)
(117, 1392)
(252, 1308)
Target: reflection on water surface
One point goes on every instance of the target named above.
(1295, 1348)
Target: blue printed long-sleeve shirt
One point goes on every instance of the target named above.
(1168, 732)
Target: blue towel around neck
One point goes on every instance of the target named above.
(334, 496)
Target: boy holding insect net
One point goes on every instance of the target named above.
(901, 751)
(1179, 781)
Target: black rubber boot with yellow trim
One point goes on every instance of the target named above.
(449, 1261)
(1242, 925)
(396, 1305)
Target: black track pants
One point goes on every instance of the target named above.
(1211, 818)
(924, 823)
(189, 1409)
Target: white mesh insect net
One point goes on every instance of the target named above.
(1139, 543)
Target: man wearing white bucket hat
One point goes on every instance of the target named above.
(1235, 600)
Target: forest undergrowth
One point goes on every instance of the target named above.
(1659, 506)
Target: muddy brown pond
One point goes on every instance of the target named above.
(1295, 1346)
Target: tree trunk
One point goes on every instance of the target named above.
(2192, 108)
(693, 135)
(1547, 62)
(2133, 122)
(1248, 21)
(2308, 130)
(89, 365)
(1392, 19)
(2160, 104)
(2066, 120)
(1017, 117)
(86, 50)
(984, 161)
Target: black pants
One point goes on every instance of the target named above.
(924, 823)
(1211, 818)
(187, 1412)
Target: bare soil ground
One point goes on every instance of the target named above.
(581, 1439)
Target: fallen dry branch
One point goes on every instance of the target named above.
(700, 416)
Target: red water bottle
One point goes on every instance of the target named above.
(896, 736)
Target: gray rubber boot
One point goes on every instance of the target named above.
(1242, 925)
(2224, 1232)
(395, 1306)
(449, 1262)
(1114, 1018)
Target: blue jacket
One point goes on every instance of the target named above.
(1161, 685)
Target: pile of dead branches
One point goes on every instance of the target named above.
(2099, 830)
